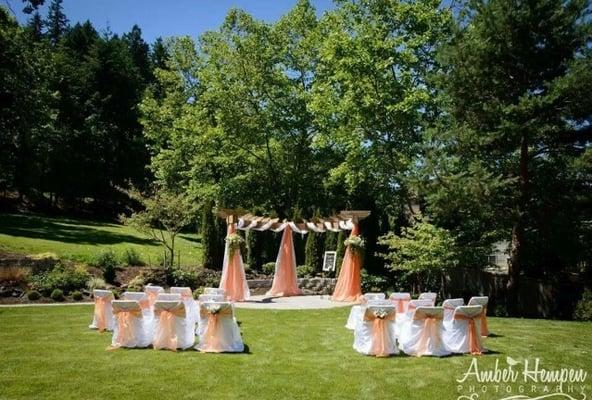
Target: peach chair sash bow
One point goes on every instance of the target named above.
(152, 295)
(100, 312)
(165, 336)
(125, 333)
(381, 340)
(431, 329)
(212, 334)
(484, 327)
(401, 304)
(144, 304)
(474, 338)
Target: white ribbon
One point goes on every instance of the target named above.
(313, 227)
(296, 229)
(346, 225)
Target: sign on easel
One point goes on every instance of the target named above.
(329, 261)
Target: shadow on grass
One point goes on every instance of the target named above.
(192, 239)
(67, 231)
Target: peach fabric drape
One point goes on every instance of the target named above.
(349, 287)
(212, 335)
(152, 298)
(474, 338)
(484, 327)
(381, 340)
(431, 329)
(285, 281)
(401, 304)
(165, 335)
(233, 279)
(100, 312)
(125, 333)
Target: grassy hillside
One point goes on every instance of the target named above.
(83, 240)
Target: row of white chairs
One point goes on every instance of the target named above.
(168, 320)
(382, 328)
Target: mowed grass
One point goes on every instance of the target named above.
(48, 352)
(83, 240)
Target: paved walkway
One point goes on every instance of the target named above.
(262, 302)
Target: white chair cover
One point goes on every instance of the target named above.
(190, 303)
(152, 291)
(428, 296)
(404, 318)
(373, 296)
(481, 301)
(172, 330)
(357, 311)
(142, 299)
(103, 312)
(212, 290)
(130, 328)
(422, 335)
(202, 319)
(449, 307)
(401, 301)
(168, 297)
(221, 333)
(462, 333)
(375, 335)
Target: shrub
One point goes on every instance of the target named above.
(76, 295)
(132, 257)
(373, 283)
(14, 274)
(107, 262)
(184, 277)
(268, 268)
(60, 277)
(197, 292)
(156, 276)
(33, 295)
(583, 311)
(57, 295)
(95, 283)
(208, 278)
(136, 284)
(306, 271)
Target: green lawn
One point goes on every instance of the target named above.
(48, 352)
(82, 240)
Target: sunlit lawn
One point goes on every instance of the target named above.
(83, 240)
(49, 353)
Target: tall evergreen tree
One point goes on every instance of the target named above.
(57, 23)
(209, 237)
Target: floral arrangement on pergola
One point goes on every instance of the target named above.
(348, 287)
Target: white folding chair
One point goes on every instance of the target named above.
(357, 311)
(481, 301)
(187, 298)
(462, 333)
(171, 327)
(103, 312)
(375, 335)
(401, 301)
(422, 335)
(130, 329)
(449, 306)
(404, 318)
(221, 333)
(141, 298)
(428, 296)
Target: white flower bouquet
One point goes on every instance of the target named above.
(356, 243)
(234, 242)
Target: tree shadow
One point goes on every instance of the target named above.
(193, 239)
(67, 231)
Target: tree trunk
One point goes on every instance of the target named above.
(517, 247)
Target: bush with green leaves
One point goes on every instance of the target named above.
(132, 257)
(197, 292)
(208, 278)
(305, 271)
(60, 277)
(57, 295)
(136, 284)
(184, 277)
(583, 311)
(373, 283)
(268, 268)
(96, 283)
(76, 295)
(107, 261)
(33, 295)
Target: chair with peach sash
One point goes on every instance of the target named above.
(428, 296)
(375, 335)
(462, 333)
(404, 318)
(422, 335)
(201, 317)
(221, 333)
(357, 311)
(401, 301)
(449, 306)
(481, 301)
(142, 299)
(168, 297)
(172, 329)
(103, 313)
(152, 291)
(212, 290)
(131, 328)
(187, 298)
